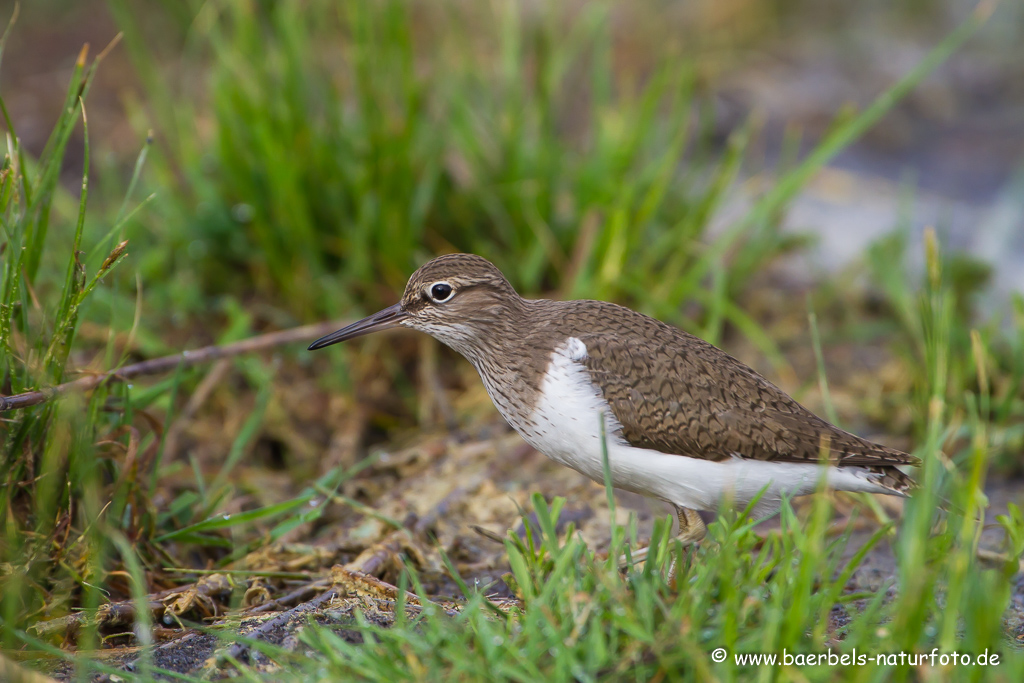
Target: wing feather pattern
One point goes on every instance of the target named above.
(675, 393)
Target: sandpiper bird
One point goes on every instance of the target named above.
(683, 421)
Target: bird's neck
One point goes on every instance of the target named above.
(512, 357)
(498, 334)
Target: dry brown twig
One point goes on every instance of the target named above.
(208, 594)
(156, 366)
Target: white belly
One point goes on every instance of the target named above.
(566, 426)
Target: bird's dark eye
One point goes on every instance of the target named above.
(441, 291)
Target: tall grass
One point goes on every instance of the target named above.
(325, 168)
(985, 356)
(53, 471)
(314, 154)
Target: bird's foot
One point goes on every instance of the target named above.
(691, 531)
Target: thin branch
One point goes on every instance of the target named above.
(157, 366)
(211, 590)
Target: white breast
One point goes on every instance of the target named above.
(566, 426)
(566, 422)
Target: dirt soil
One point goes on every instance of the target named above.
(428, 495)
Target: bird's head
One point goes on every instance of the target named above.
(459, 299)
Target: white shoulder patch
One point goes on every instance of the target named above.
(575, 349)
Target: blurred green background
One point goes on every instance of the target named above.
(311, 155)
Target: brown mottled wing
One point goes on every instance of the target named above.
(675, 393)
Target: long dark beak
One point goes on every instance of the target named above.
(390, 317)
